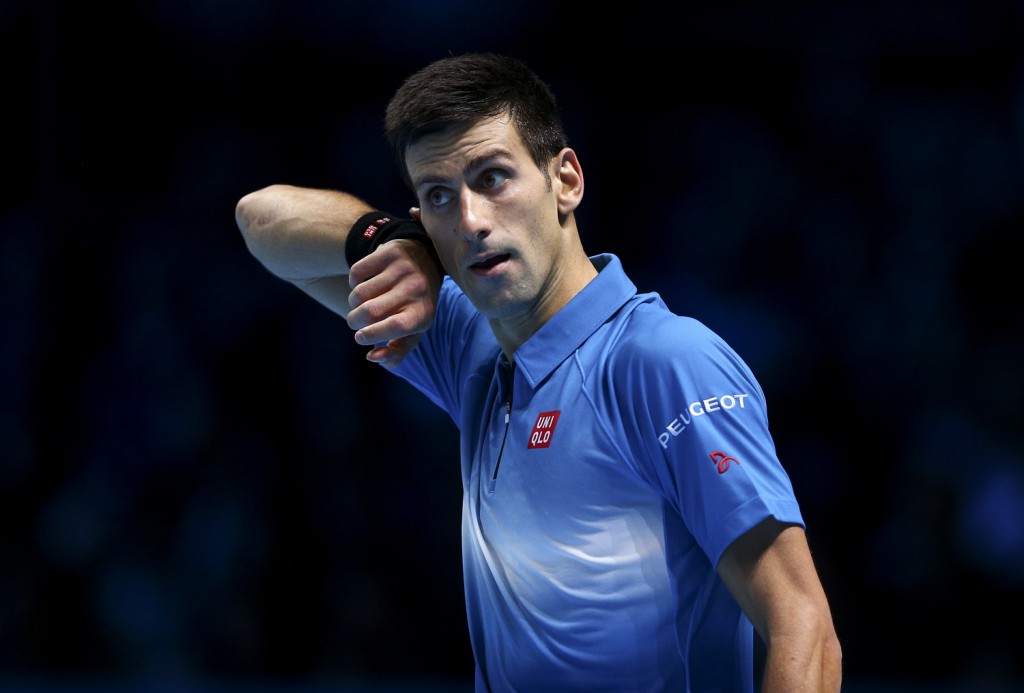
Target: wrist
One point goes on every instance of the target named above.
(377, 227)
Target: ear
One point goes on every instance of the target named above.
(568, 181)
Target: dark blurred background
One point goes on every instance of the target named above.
(204, 486)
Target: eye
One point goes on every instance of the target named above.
(492, 178)
(438, 197)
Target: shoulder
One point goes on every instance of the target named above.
(653, 349)
(453, 304)
(650, 331)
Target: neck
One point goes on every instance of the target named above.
(511, 333)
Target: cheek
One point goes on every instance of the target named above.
(445, 244)
(542, 216)
(436, 227)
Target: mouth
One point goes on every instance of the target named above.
(484, 266)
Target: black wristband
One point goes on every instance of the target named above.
(376, 227)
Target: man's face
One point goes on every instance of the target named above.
(493, 217)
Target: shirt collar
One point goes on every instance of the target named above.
(571, 326)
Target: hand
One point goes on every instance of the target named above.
(393, 299)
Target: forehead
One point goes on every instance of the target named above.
(450, 152)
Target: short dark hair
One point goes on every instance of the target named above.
(459, 91)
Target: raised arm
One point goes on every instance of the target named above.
(770, 572)
(298, 234)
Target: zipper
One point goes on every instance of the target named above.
(501, 450)
(509, 376)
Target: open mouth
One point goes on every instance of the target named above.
(490, 262)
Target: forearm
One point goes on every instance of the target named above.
(770, 572)
(792, 666)
(299, 234)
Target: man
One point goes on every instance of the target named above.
(627, 525)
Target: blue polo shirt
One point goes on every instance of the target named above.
(604, 473)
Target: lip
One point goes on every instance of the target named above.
(490, 265)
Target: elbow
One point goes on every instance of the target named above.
(255, 216)
(254, 212)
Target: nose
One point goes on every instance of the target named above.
(471, 216)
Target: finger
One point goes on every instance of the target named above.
(381, 283)
(378, 354)
(368, 290)
(391, 354)
(370, 266)
(361, 271)
(392, 303)
(372, 305)
(393, 327)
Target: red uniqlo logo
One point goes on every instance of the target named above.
(371, 230)
(543, 430)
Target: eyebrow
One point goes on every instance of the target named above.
(474, 164)
(478, 162)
